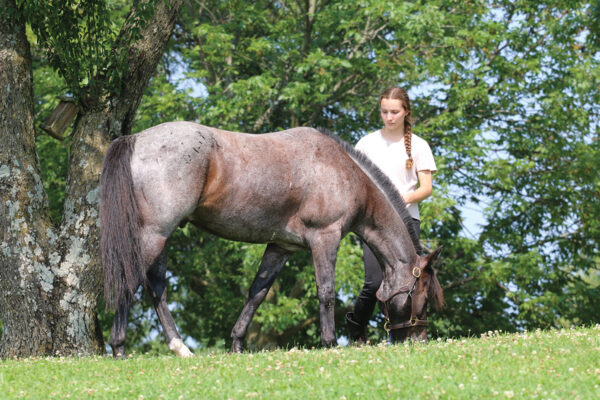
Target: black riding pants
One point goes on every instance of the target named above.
(366, 301)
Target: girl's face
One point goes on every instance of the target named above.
(393, 113)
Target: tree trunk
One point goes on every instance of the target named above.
(25, 280)
(50, 277)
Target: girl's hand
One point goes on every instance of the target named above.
(423, 191)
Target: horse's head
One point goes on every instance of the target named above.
(404, 296)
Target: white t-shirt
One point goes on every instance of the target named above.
(391, 158)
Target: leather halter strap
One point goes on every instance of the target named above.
(403, 325)
(413, 321)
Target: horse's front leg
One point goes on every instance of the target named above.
(119, 330)
(158, 290)
(324, 250)
(273, 260)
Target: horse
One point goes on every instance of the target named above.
(297, 189)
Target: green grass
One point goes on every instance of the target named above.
(561, 364)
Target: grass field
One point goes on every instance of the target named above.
(561, 364)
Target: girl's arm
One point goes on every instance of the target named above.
(423, 191)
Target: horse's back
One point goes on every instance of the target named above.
(250, 187)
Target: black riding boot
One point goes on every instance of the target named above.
(357, 332)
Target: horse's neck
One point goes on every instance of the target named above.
(385, 233)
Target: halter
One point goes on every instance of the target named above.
(413, 321)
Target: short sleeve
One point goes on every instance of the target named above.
(424, 157)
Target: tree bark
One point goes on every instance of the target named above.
(25, 279)
(50, 277)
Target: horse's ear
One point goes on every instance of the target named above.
(431, 258)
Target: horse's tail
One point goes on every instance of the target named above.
(120, 225)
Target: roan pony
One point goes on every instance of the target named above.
(296, 189)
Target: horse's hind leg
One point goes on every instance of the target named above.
(119, 330)
(158, 289)
(273, 260)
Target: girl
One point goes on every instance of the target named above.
(407, 160)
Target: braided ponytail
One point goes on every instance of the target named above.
(397, 93)
(407, 142)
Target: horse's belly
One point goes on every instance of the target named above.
(253, 227)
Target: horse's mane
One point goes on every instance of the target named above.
(381, 181)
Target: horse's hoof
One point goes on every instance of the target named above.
(177, 347)
(185, 352)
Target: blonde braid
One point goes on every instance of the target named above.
(407, 142)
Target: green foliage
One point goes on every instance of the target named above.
(268, 66)
(80, 40)
(540, 364)
(163, 102)
(538, 171)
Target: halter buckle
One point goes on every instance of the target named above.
(416, 272)
(413, 321)
(386, 326)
